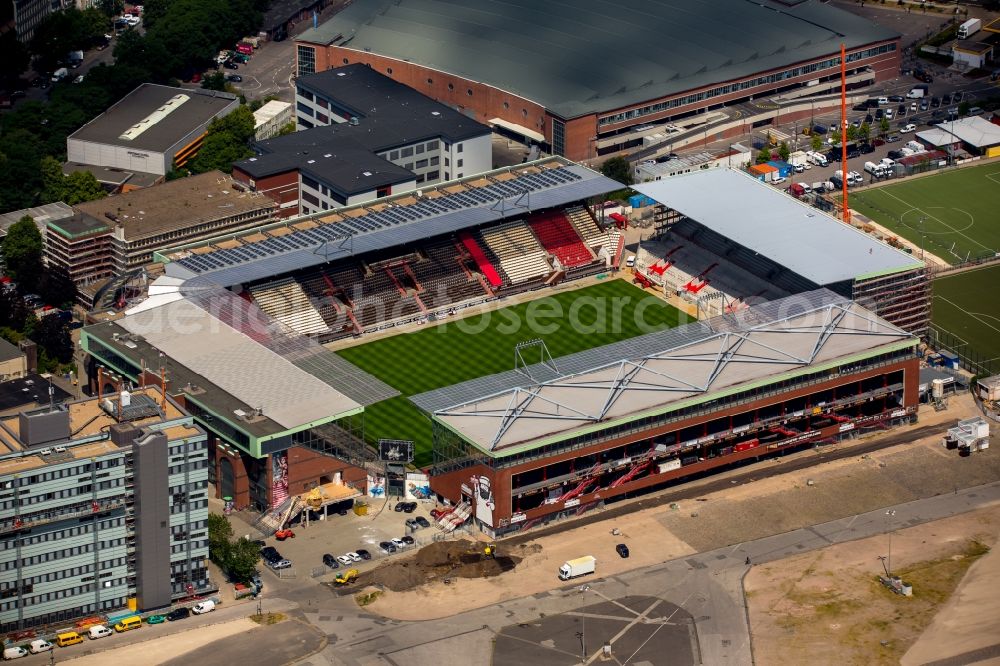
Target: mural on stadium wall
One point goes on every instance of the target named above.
(418, 486)
(376, 485)
(279, 478)
(483, 498)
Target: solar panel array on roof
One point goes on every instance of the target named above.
(394, 216)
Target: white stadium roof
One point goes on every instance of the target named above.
(771, 223)
(759, 346)
(973, 130)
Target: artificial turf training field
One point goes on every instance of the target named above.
(966, 305)
(960, 210)
(483, 344)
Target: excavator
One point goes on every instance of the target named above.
(490, 552)
(346, 577)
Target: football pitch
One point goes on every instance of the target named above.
(483, 344)
(965, 306)
(955, 214)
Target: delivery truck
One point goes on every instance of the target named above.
(581, 566)
(969, 28)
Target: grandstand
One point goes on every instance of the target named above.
(554, 440)
(756, 244)
(405, 258)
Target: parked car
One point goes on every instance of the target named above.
(778, 181)
(622, 550)
(412, 525)
(935, 102)
(423, 522)
(399, 507)
(178, 614)
(945, 100)
(364, 554)
(234, 78)
(354, 556)
(280, 564)
(387, 547)
(923, 105)
(270, 553)
(407, 539)
(896, 98)
(345, 559)
(399, 543)
(14, 653)
(203, 607)
(156, 619)
(330, 561)
(892, 138)
(909, 127)
(957, 97)
(39, 646)
(229, 64)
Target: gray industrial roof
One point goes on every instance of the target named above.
(397, 226)
(691, 365)
(591, 56)
(143, 108)
(769, 222)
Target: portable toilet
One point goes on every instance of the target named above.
(636, 201)
(949, 359)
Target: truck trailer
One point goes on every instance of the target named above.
(581, 566)
(969, 28)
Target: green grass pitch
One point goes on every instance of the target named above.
(483, 344)
(965, 305)
(959, 209)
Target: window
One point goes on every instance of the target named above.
(430, 81)
(506, 105)
(458, 175)
(406, 152)
(421, 164)
(433, 175)
(345, 61)
(447, 162)
(524, 112)
(558, 137)
(458, 149)
(394, 155)
(432, 145)
(307, 60)
(447, 176)
(305, 94)
(322, 117)
(459, 163)
(451, 86)
(469, 92)
(434, 161)
(304, 108)
(408, 166)
(419, 148)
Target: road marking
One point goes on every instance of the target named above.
(974, 315)
(907, 203)
(614, 639)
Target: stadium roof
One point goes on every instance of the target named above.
(232, 359)
(769, 222)
(591, 56)
(481, 200)
(692, 364)
(175, 205)
(974, 130)
(154, 117)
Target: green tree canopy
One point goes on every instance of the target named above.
(865, 132)
(52, 334)
(883, 126)
(852, 133)
(76, 188)
(617, 168)
(214, 81)
(817, 142)
(227, 141)
(784, 151)
(764, 155)
(242, 561)
(22, 252)
(56, 287)
(220, 534)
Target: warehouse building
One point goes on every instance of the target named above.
(554, 440)
(363, 136)
(593, 81)
(104, 508)
(148, 132)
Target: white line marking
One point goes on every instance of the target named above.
(939, 220)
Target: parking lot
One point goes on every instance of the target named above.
(337, 535)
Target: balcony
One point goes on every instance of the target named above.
(92, 508)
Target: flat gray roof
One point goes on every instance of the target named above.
(164, 115)
(591, 56)
(761, 218)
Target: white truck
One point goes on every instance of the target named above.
(916, 92)
(969, 28)
(799, 160)
(581, 566)
(819, 159)
(59, 74)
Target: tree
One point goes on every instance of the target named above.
(865, 132)
(617, 168)
(52, 334)
(220, 534)
(56, 287)
(287, 129)
(22, 252)
(817, 142)
(242, 561)
(111, 8)
(852, 133)
(836, 136)
(75, 188)
(764, 155)
(963, 108)
(20, 152)
(216, 81)
(784, 151)
(883, 126)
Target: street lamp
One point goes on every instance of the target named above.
(922, 238)
(888, 564)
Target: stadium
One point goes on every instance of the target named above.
(597, 79)
(517, 427)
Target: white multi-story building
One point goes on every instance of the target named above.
(363, 136)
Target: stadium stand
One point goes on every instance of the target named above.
(521, 257)
(557, 235)
(285, 301)
(586, 226)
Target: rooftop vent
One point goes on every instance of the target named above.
(366, 173)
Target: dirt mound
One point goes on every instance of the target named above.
(442, 560)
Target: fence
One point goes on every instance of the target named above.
(970, 359)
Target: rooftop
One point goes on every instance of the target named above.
(268, 111)
(665, 371)
(28, 391)
(175, 205)
(573, 59)
(114, 176)
(230, 358)
(78, 226)
(973, 130)
(394, 221)
(154, 117)
(789, 232)
(42, 215)
(8, 351)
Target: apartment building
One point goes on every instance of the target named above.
(103, 507)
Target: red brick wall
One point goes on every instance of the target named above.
(306, 469)
(282, 187)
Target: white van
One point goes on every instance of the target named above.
(14, 653)
(203, 607)
(915, 146)
(873, 169)
(39, 646)
(630, 262)
(98, 631)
